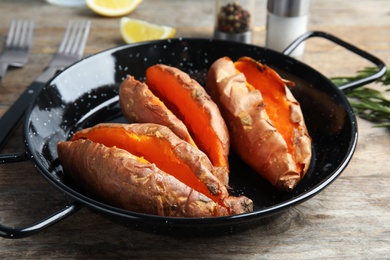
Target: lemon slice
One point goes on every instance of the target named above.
(133, 30)
(112, 8)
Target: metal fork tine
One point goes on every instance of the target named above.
(19, 25)
(11, 33)
(81, 47)
(23, 35)
(79, 44)
(66, 37)
(77, 39)
(30, 33)
(71, 39)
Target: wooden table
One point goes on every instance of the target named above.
(349, 219)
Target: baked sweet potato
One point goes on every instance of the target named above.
(147, 168)
(140, 105)
(265, 122)
(191, 104)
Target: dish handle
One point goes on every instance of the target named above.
(10, 232)
(354, 84)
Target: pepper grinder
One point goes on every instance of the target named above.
(234, 20)
(286, 21)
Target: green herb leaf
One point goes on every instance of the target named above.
(385, 80)
(368, 103)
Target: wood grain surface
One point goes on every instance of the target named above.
(350, 219)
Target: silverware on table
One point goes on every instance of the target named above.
(17, 45)
(70, 50)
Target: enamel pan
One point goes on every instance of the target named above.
(86, 93)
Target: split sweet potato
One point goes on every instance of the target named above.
(140, 105)
(265, 121)
(147, 168)
(169, 93)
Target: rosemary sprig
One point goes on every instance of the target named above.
(385, 80)
(368, 103)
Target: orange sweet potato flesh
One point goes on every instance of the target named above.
(169, 154)
(190, 103)
(140, 105)
(264, 119)
(182, 175)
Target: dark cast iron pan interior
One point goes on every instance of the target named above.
(87, 93)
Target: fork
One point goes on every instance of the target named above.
(70, 50)
(17, 45)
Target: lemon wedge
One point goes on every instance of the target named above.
(112, 8)
(133, 30)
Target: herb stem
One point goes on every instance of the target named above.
(368, 103)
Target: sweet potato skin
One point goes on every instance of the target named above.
(140, 105)
(123, 179)
(253, 135)
(196, 109)
(118, 178)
